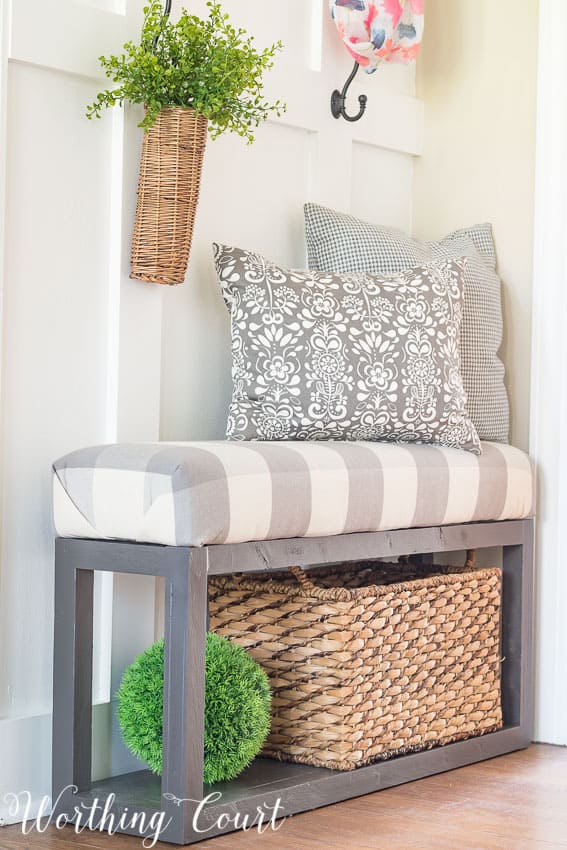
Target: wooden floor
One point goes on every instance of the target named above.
(516, 802)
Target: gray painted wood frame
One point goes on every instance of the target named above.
(267, 783)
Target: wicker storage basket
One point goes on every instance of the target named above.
(371, 660)
(168, 192)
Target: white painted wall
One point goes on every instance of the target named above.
(75, 368)
(549, 386)
(254, 196)
(89, 356)
(477, 76)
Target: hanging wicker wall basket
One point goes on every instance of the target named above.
(168, 193)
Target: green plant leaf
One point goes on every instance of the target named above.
(200, 63)
(237, 708)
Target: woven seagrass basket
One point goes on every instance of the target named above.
(370, 660)
(168, 193)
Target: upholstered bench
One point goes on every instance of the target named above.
(187, 510)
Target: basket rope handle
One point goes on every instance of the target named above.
(301, 576)
(470, 562)
(311, 589)
(331, 594)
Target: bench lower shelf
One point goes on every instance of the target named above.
(291, 788)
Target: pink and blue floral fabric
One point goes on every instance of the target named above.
(376, 31)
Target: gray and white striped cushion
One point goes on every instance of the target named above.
(341, 243)
(193, 494)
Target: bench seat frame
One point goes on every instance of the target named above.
(297, 787)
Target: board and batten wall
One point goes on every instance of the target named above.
(253, 196)
(89, 356)
(477, 75)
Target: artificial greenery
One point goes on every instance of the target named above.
(205, 64)
(237, 708)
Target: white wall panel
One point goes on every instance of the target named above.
(81, 343)
(381, 185)
(59, 34)
(90, 356)
(53, 398)
(268, 21)
(253, 196)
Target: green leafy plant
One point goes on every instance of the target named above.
(202, 63)
(237, 708)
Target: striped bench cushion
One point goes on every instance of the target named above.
(193, 494)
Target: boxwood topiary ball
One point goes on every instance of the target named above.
(237, 708)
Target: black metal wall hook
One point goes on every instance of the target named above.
(166, 14)
(338, 99)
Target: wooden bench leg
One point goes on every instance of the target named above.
(72, 678)
(185, 573)
(517, 633)
(184, 692)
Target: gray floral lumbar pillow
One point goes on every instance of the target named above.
(322, 356)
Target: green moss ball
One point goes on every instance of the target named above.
(237, 708)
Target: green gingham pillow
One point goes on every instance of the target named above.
(341, 243)
(320, 356)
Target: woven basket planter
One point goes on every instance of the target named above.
(371, 661)
(168, 193)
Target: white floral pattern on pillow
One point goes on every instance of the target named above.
(320, 356)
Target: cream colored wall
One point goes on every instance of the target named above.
(477, 74)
